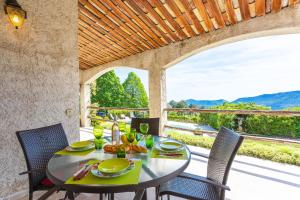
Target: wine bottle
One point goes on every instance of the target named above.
(115, 133)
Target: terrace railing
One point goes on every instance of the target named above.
(241, 114)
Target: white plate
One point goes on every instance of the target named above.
(97, 173)
(68, 148)
(170, 147)
(158, 147)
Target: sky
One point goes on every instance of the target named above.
(241, 69)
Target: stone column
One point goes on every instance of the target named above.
(157, 94)
(85, 101)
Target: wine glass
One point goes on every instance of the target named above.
(144, 128)
(122, 126)
(131, 137)
(98, 133)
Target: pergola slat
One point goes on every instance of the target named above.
(244, 7)
(230, 10)
(169, 18)
(180, 17)
(276, 5)
(201, 9)
(260, 7)
(109, 30)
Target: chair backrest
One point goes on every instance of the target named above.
(153, 124)
(38, 146)
(221, 156)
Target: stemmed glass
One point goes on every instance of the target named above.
(131, 136)
(122, 126)
(98, 133)
(144, 128)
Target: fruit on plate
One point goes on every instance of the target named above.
(124, 139)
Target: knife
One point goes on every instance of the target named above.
(82, 172)
(170, 154)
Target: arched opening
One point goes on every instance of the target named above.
(115, 93)
(256, 78)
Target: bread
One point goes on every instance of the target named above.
(132, 147)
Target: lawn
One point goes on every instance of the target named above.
(278, 152)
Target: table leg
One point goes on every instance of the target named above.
(145, 195)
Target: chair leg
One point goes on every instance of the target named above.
(70, 195)
(168, 197)
(30, 195)
(101, 196)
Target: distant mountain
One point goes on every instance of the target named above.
(205, 103)
(276, 101)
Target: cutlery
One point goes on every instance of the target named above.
(82, 172)
(170, 154)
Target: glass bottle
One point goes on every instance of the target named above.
(115, 133)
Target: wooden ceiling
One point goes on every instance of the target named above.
(113, 29)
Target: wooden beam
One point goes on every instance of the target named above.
(276, 5)
(260, 7)
(216, 12)
(180, 17)
(203, 13)
(244, 8)
(230, 11)
(169, 18)
(189, 11)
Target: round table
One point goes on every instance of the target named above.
(154, 172)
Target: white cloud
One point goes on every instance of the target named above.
(246, 68)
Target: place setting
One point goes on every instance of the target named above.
(114, 171)
(169, 148)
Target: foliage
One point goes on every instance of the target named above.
(253, 124)
(108, 91)
(277, 152)
(135, 93)
(180, 104)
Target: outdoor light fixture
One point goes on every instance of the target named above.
(15, 13)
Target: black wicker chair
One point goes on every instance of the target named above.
(213, 186)
(153, 124)
(38, 146)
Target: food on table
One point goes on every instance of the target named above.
(131, 147)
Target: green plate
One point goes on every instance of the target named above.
(114, 165)
(81, 144)
(170, 145)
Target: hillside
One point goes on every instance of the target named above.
(205, 103)
(276, 101)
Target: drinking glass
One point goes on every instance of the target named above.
(130, 138)
(121, 153)
(98, 133)
(149, 141)
(122, 126)
(144, 128)
(98, 143)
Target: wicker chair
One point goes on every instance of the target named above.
(153, 124)
(38, 146)
(213, 186)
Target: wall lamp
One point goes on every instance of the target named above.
(15, 13)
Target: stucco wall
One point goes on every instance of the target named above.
(39, 80)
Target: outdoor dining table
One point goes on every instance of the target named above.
(154, 171)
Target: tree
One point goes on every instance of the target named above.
(173, 104)
(135, 93)
(182, 104)
(108, 91)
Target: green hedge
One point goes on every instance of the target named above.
(278, 152)
(288, 127)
